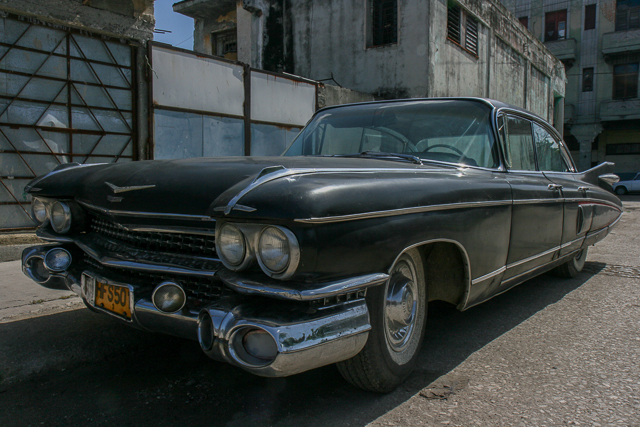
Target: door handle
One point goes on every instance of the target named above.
(555, 187)
(583, 189)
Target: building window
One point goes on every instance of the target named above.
(225, 44)
(587, 79)
(524, 20)
(627, 15)
(590, 17)
(462, 26)
(471, 36)
(555, 24)
(453, 22)
(618, 149)
(625, 81)
(384, 22)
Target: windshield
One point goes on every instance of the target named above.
(443, 130)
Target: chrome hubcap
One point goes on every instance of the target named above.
(401, 307)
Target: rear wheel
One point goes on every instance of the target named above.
(574, 266)
(398, 311)
(621, 190)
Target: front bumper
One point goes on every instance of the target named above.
(305, 337)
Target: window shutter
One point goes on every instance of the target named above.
(453, 22)
(471, 36)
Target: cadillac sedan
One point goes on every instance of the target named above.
(331, 252)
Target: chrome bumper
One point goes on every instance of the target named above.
(306, 338)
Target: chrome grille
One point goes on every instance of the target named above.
(180, 243)
(198, 288)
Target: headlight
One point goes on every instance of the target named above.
(231, 244)
(60, 216)
(38, 210)
(273, 250)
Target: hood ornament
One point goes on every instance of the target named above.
(117, 189)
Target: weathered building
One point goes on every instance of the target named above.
(599, 43)
(72, 89)
(389, 48)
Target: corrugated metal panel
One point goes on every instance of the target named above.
(281, 100)
(186, 81)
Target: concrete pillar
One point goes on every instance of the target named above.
(585, 134)
(558, 115)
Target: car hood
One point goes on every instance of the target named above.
(247, 187)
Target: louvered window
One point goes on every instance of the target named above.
(453, 22)
(385, 22)
(471, 36)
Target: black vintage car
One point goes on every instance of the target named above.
(331, 252)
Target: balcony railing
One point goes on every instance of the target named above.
(564, 50)
(620, 43)
(626, 109)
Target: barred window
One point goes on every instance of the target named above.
(453, 22)
(471, 36)
(625, 81)
(461, 26)
(627, 15)
(385, 22)
(621, 149)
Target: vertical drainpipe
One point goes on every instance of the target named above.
(247, 109)
(428, 86)
(151, 146)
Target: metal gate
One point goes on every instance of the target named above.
(65, 96)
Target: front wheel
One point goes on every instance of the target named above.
(398, 311)
(574, 266)
(621, 190)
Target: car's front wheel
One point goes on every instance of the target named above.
(574, 266)
(398, 311)
(621, 190)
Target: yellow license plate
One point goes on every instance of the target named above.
(113, 298)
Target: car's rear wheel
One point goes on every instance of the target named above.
(621, 190)
(398, 311)
(574, 266)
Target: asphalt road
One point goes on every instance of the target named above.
(549, 352)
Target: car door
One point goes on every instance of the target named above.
(555, 164)
(537, 213)
(635, 184)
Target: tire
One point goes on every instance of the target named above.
(621, 190)
(574, 266)
(398, 313)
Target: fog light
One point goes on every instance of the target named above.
(57, 260)
(37, 270)
(260, 344)
(169, 297)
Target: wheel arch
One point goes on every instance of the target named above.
(447, 270)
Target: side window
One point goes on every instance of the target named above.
(518, 144)
(548, 150)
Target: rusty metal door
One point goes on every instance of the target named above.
(65, 96)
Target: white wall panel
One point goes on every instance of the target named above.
(281, 100)
(183, 80)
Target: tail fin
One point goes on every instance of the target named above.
(601, 175)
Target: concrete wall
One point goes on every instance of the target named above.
(333, 95)
(132, 19)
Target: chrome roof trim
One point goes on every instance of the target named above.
(403, 211)
(156, 215)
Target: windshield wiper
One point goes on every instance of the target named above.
(381, 154)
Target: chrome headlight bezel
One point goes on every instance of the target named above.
(252, 233)
(293, 253)
(44, 212)
(65, 226)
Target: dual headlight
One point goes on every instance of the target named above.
(275, 248)
(58, 213)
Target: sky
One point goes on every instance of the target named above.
(181, 26)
